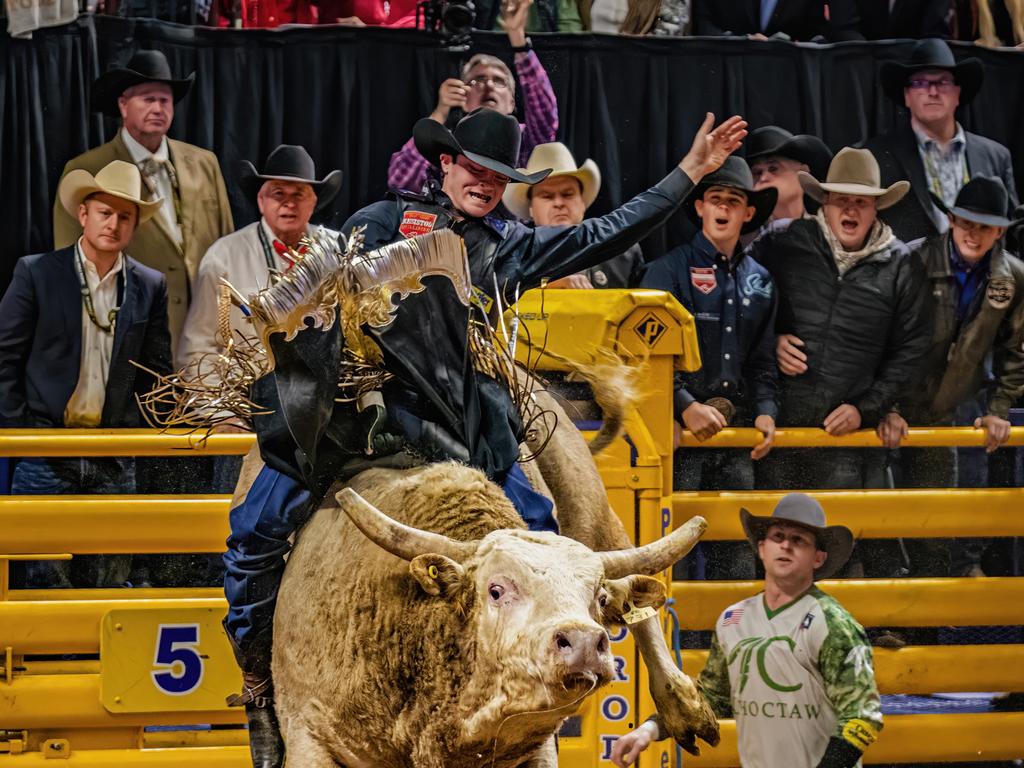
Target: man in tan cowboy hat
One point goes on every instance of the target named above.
(562, 199)
(288, 193)
(852, 316)
(790, 664)
(71, 323)
(930, 148)
(194, 210)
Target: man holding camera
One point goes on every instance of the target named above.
(487, 82)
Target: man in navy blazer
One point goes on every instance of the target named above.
(71, 323)
(931, 149)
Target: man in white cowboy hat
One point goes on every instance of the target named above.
(433, 406)
(853, 320)
(288, 193)
(562, 199)
(71, 323)
(790, 664)
(931, 149)
(194, 210)
(734, 300)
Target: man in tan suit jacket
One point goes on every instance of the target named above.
(195, 210)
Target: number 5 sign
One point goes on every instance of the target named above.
(180, 665)
(165, 660)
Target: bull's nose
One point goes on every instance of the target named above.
(582, 649)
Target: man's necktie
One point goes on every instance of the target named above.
(150, 168)
(285, 253)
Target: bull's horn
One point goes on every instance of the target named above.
(400, 540)
(658, 555)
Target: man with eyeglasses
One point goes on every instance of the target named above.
(852, 319)
(790, 664)
(931, 149)
(486, 81)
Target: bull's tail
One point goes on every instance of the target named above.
(617, 388)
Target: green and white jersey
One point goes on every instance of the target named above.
(793, 678)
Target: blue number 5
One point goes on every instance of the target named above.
(176, 653)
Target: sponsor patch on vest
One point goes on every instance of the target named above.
(703, 279)
(999, 292)
(417, 223)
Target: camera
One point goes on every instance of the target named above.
(452, 19)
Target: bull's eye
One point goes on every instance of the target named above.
(602, 598)
(496, 591)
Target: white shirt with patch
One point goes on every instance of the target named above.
(793, 678)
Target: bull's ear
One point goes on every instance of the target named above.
(640, 591)
(437, 574)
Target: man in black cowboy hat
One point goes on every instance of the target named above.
(712, 278)
(976, 290)
(434, 406)
(776, 157)
(931, 149)
(288, 193)
(194, 212)
(734, 300)
(790, 664)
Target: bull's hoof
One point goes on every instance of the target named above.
(694, 720)
(265, 742)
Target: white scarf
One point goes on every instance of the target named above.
(880, 238)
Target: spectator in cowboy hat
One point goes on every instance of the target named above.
(72, 322)
(288, 193)
(821, 660)
(776, 157)
(976, 291)
(734, 300)
(930, 148)
(562, 199)
(845, 281)
(194, 209)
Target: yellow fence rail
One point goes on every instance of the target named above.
(805, 437)
(882, 514)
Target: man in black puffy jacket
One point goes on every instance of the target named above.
(852, 319)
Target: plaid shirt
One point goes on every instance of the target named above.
(409, 170)
(946, 171)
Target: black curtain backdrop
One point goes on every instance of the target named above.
(351, 96)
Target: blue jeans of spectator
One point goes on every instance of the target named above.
(261, 526)
(715, 469)
(52, 477)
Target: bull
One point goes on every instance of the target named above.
(419, 624)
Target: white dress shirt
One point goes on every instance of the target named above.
(163, 182)
(240, 259)
(85, 407)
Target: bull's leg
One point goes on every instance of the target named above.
(685, 714)
(304, 750)
(545, 757)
